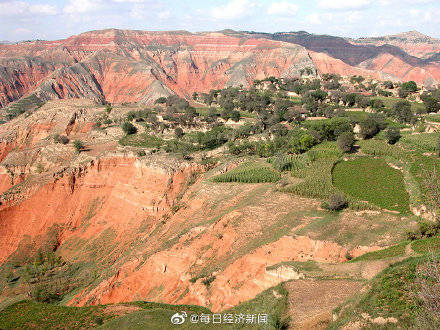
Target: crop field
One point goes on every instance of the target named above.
(435, 118)
(315, 168)
(250, 172)
(141, 140)
(372, 180)
(424, 142)
(391, 101)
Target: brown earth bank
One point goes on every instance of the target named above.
(120, 66)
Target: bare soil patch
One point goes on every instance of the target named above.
(311, 302)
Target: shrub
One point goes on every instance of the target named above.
(235, 115)
(336, 202)
(161, 100)
(178, 132)
(108, 108)
(129, 128)
(346, 141)
(46, 294)
(207, 281)
(78, 145)
(61, 139)
(392, 135)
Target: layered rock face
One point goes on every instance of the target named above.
(413, 42)
(137, 66)
(409, 56)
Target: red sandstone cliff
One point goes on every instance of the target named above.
(131, 66)
(139, 66)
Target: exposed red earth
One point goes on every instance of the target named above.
(139, 66)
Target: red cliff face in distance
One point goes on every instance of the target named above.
(139, 66)
(136, 66)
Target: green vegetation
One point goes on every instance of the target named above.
(425, 142)
(427, 245)
(392, 293)
(25, 104)
(142, 140)
(435, 118)
(372, 180)
(78, 145)
(150, 315)
(250, 172)
(129, 128)
(316, 174)
(397, 250)
(31, 314)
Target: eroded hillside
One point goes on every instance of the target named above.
(156, 227)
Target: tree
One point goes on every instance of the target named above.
(388, 84)
(349, 99)
(336, 202)
(362, 101)
(346, 141)
(377, 104)
(78, 145)
(402, 112)
(392, 135)
(195, 96)
(409, 86)
(369, 128)
(161, 100)
(129, 128)
(226, 114)
(178, 132)
(294, 115)
(432, 104)
(235, 116)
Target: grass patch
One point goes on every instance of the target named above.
(435, 118)
(424, 142)
(391, 294)
(426, 245)
(397, 250)
(305, 266)
(141, 140)
(250, 172)
(374, 181)
(31, 314)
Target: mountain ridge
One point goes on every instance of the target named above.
(121, 65)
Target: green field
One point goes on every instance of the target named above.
(249, 172)
(372, 180)
(397, 250)
(391, 294)
(391, 101)
(28, 314)
(435, 118)
(424, 142)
